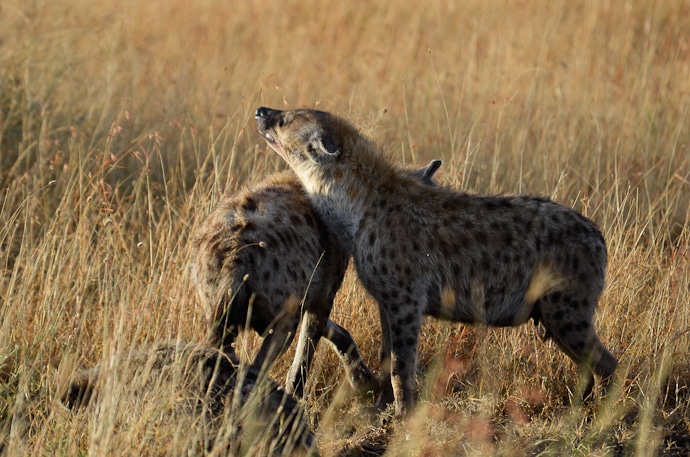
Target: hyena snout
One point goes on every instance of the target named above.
(263, 112)
(266, 117)
(266, 120)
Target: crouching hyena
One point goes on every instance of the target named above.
(265, 246)
(196, 390)
(497, 260)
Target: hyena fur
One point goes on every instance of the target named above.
(264, 247)
(496, 260)
(217, 403)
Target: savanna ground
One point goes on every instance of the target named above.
(123, 123)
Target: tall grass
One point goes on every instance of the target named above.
(123, 123)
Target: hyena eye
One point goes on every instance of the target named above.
(281, 121)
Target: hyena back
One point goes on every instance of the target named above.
(265, 246)
(497, 260)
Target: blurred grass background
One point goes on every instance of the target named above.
(122, 125)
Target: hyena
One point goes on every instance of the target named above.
(496, 260)
(202, 391)
(265, 246)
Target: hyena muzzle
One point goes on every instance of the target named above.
(496, 260)
(265, 248)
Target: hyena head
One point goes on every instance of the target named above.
(320, 147)
(335, 164)
(300, 135)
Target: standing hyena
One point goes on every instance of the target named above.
(497, 260)
(266, 247)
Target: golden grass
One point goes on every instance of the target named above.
(123, 123)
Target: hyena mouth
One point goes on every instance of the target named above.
(264, 123)
(265, 120)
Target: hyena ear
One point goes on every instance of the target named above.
(430, 170)
(321, 147)
(426, 174)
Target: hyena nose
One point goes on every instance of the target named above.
(263, 112)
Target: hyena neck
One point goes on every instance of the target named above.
(343, 193)
(338, 211)
(340, 221)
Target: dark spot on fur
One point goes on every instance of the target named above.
(481, 237)
(372, 238)
(249, 204)
(281, 236)
(275, 263)
(415, 246)
(295, 219)
(565, 329)
(558, 315)
(490, 205)
(401, 367)
(270, 240)
(485, 263)
(309, 220)
(582, 325)
(250, 259)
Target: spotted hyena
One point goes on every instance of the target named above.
(496, 260)
(265, 246)
(200, 390)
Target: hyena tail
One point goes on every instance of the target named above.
(229, 315)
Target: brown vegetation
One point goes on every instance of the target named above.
(122, 124)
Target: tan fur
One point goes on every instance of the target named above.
(265, 248)
(411, 243)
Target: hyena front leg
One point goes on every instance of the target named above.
(314, 324)
(386, 388)
(404, 323)
(359, 374)
(279, 335)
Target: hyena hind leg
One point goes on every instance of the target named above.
(574, 334)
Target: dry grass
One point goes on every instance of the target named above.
(123, 123)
